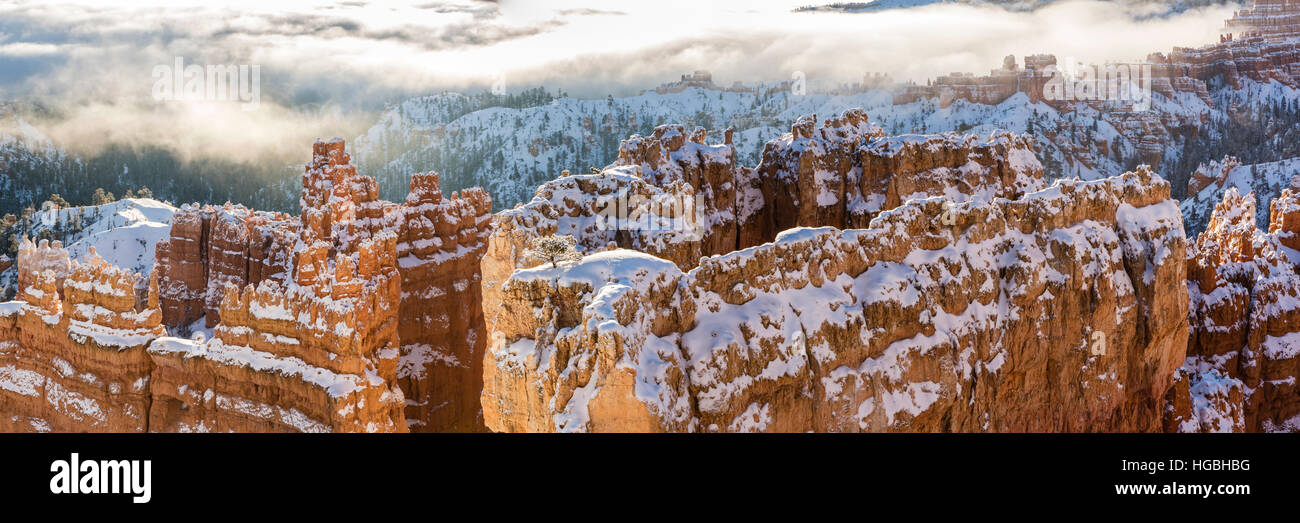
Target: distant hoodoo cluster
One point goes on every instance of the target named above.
(1244, 353)
(1257, 43)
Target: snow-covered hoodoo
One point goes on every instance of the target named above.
(1244, 355)
(432, 342)
(72, 350)
(341, 319)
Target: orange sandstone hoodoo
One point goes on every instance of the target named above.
(358, 315)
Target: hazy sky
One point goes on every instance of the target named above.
(323, 64)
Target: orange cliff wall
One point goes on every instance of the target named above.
(209, 247)
(442, 333)
(91, 354)
(676, 338)
(673, 196)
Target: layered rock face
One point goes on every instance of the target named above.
(210, 247)
(1184, 70)
(304, 319)
(668, 194)
(1258, 43)
(180, 266)
(990, 89)
(1255, 57)
(1150, 132)
(72, 350)
(318, 352)
(1244, 352)
(442, 241)
(1266, 17)
(676, 197)
(929, 318)
(697, 202)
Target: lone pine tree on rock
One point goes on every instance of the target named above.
(553, 248)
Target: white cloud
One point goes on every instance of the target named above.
(28, 49)
(355, 55)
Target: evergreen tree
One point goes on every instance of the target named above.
(100, 197)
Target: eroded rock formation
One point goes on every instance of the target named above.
(849, 282)
(675, 197)
(438, 242)
(442, 241)
(1244, 352)
(72, 349)
(41, 257)
(1258, 43)
(928, 317)
(209, 247)
(316, 353)
(318, 322)
(845, 172)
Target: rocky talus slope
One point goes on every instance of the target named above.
(1244, 354)
(990, 306)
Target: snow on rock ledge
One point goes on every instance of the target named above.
(672, 195)
(1062, 310)
(72, 351)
